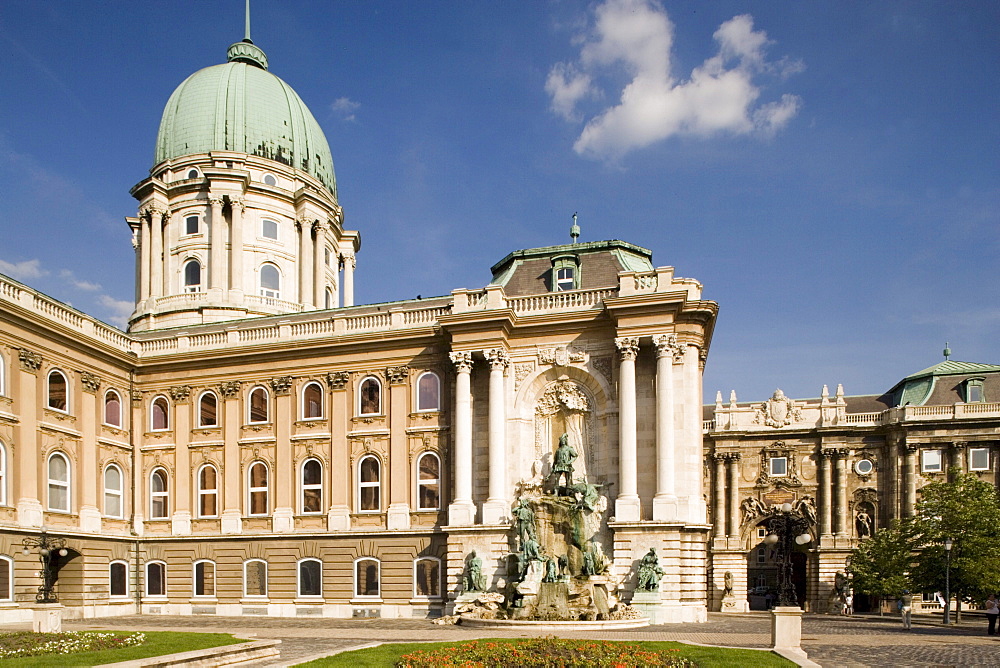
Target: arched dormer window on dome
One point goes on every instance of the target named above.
(270, 281)
(192, 276)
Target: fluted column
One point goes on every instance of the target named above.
(217, 247)
(236, 286)
(733, 485)
(840, 518)
(349, 264)
(145, 234)
(496, 506)
(825, 492)
(909, 480)
(719, 497)
(665, 500)
(627, 505)
(156, 253)
(462, 510)
(319, 265)
(304, 227)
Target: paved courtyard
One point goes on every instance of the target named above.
(861, 640)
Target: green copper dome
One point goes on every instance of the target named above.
(240, 106)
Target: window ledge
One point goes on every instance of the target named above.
(203, 599)
(363, 601)
(254, 600)
(310, 600)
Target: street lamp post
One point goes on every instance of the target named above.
(947, 581)
(786, 526)
(49, 551)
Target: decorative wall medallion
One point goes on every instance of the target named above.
(91, 383)
(397, 375)
(136, 396)
(29, 361)
(561, 356)
(180, 393)
(229, 389)
(864, 468)
(281, 385)
(337, 380)
(778, 411)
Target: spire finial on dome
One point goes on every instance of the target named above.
(246, 51)
(246, 35)
(946, 351)
(574, 230)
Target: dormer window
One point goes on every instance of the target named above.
(974, 391)
(565, 273)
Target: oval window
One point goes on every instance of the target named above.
(864, 466)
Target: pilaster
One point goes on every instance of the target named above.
(339, 516)
(398, 512)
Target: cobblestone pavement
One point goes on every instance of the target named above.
(842, 642)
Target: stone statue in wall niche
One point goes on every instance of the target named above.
(474, 578)
(728, 587)
(864, 523)
(650, 571)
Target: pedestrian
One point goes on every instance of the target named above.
(849, 603)
(906, 607)
(991, 614)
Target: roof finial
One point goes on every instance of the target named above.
(574, 230)
(246, 36)
(947, 351)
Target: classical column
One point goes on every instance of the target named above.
(217, 248)
(156, 253)
(825, 492)
(909, 480)
(689, 478)
(305, 261)
(495, 510)
(231, 419)
(145, 223)
(840, 518)
(665, 500)
(733, 469)
(627, 505)
(236, 287)
(462, 510)
(719, 498)
(319, 265)
(349, 264)
(180, 519)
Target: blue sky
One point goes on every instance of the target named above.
(828, 171)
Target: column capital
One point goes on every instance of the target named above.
(628, 347)
(229, 389)
(397, 375)
(348, 259)
(238, 203)
(719, 457)
(281, 385)
(317, 227)
(733, 457)
(497, 358)
(958, 445)
(666, 344)
(842, 453)
(180, 393)
(91, 383)
(30, 361)
(216, 200)
(337, 380)
(462, 359)
(825, 454)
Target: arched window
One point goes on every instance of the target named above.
(192, 276)
(3, 376)
(257, 478)
(158, 494)
(312, 401)
(3, 475)
(255, 578)
(328, 297)
(118, 579)
(310, 577)
(366, 577)
(208, 410)
(159, 414)
(156, 578)
(427, 578)
(58, 391)
(369, 484)
(112, 409)
(113, 491)
(59, 479)
(270, 281)
(257, 406)
(208, 491)
(428, 482)
(370, 397)
(204, 578)
(312, 486)
(428, 392)
(6, 579)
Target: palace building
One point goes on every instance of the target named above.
(258, 444)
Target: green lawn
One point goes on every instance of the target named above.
(706, 657)
(157, 643)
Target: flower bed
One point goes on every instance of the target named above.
(543, 653)
(26, 643)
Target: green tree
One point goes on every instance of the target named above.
(879, 565)
(967, 511)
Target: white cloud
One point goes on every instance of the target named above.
(346, 107)
(720, 96)
(87, 286)
(22, 270)
(118, 309)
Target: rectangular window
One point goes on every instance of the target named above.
(191, 225)
(979, 459)
(930, 461)
(156, 579)
(269, 229)
(204, 578)
(779, 466)
(6, 581)
(255, 579)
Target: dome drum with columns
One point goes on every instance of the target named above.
(239, 217)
